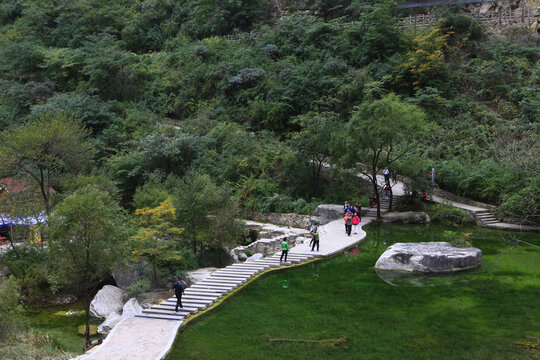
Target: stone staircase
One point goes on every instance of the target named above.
(485, 217)
(206, 292)
(385, 204)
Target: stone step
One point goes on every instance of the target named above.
(186, 304)
(228, 280)
(249, 265)
(194, 301)
(273, 263)
(191, 291)
(490, 222)
(311, 254)
(243, 269)
(191, 309)
(222, 280)
(167, 311)
(218, 283)
(211, 298)
(213, 288)
(291, 260)
(232, 275)
(161, 317)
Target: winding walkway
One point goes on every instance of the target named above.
(151, 335)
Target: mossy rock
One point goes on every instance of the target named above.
(82, 328)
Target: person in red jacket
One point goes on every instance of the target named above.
(355, 223)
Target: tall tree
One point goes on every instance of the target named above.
(382, 132)
(313, 141)
(44, 150)
(87, 236)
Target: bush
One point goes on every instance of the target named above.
(447, 214)
(138, 287)
(457, 239)
(10, 308)
(411, 203)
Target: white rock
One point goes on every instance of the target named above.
(194, 276)
(428, 257)
(254, 257)
(131, 308)
(108, 300)
(111, 320)
(408, 217)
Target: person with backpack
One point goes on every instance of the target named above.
(178, 292)
(355, 223)
(284, 249)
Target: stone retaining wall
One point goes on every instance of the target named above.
(292, 220)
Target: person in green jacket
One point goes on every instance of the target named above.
(284, 249)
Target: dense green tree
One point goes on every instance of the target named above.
(313, 142)
(87, 236)
(44, 150)
(382, 132)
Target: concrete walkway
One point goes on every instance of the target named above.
(483, 216)
(150, 336)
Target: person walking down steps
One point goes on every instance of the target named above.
(284, 249)
(178, 292)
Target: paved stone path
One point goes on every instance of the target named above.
(483, 215)
(151, 335)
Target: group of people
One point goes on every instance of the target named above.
(352, 218)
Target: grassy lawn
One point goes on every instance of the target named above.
(62, 329)
(489, 313)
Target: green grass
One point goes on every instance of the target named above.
(61, 329)
(481, 314)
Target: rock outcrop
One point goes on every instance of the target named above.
(325, 213)
(110, 322)
(408, 217)
(194, 276)
(108, 300)
(428, 257)
(131, 308)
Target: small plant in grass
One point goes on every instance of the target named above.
(248, 253)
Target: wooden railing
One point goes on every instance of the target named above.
(523, 16)
(517, 17)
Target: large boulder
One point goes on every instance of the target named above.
(110, 322)
(408, 217)
(428, 257)
(107, 301)
(4, 271)
(254, 257)
(325, 213)
(194, 276)
(131, 308)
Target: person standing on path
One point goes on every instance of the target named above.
(348, 223)
(312, 232)
(315, 241)
(178, 292)
(284, 249)
(386, 174)
(355, 221)
(346, 207)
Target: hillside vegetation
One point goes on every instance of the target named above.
(180, 110)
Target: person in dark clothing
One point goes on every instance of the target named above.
(178, 291)
(284, 249)
(315, 241)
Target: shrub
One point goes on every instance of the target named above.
(10, 308)
(248, 77)
(138, 287)
(457, 239)
(447, 214)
